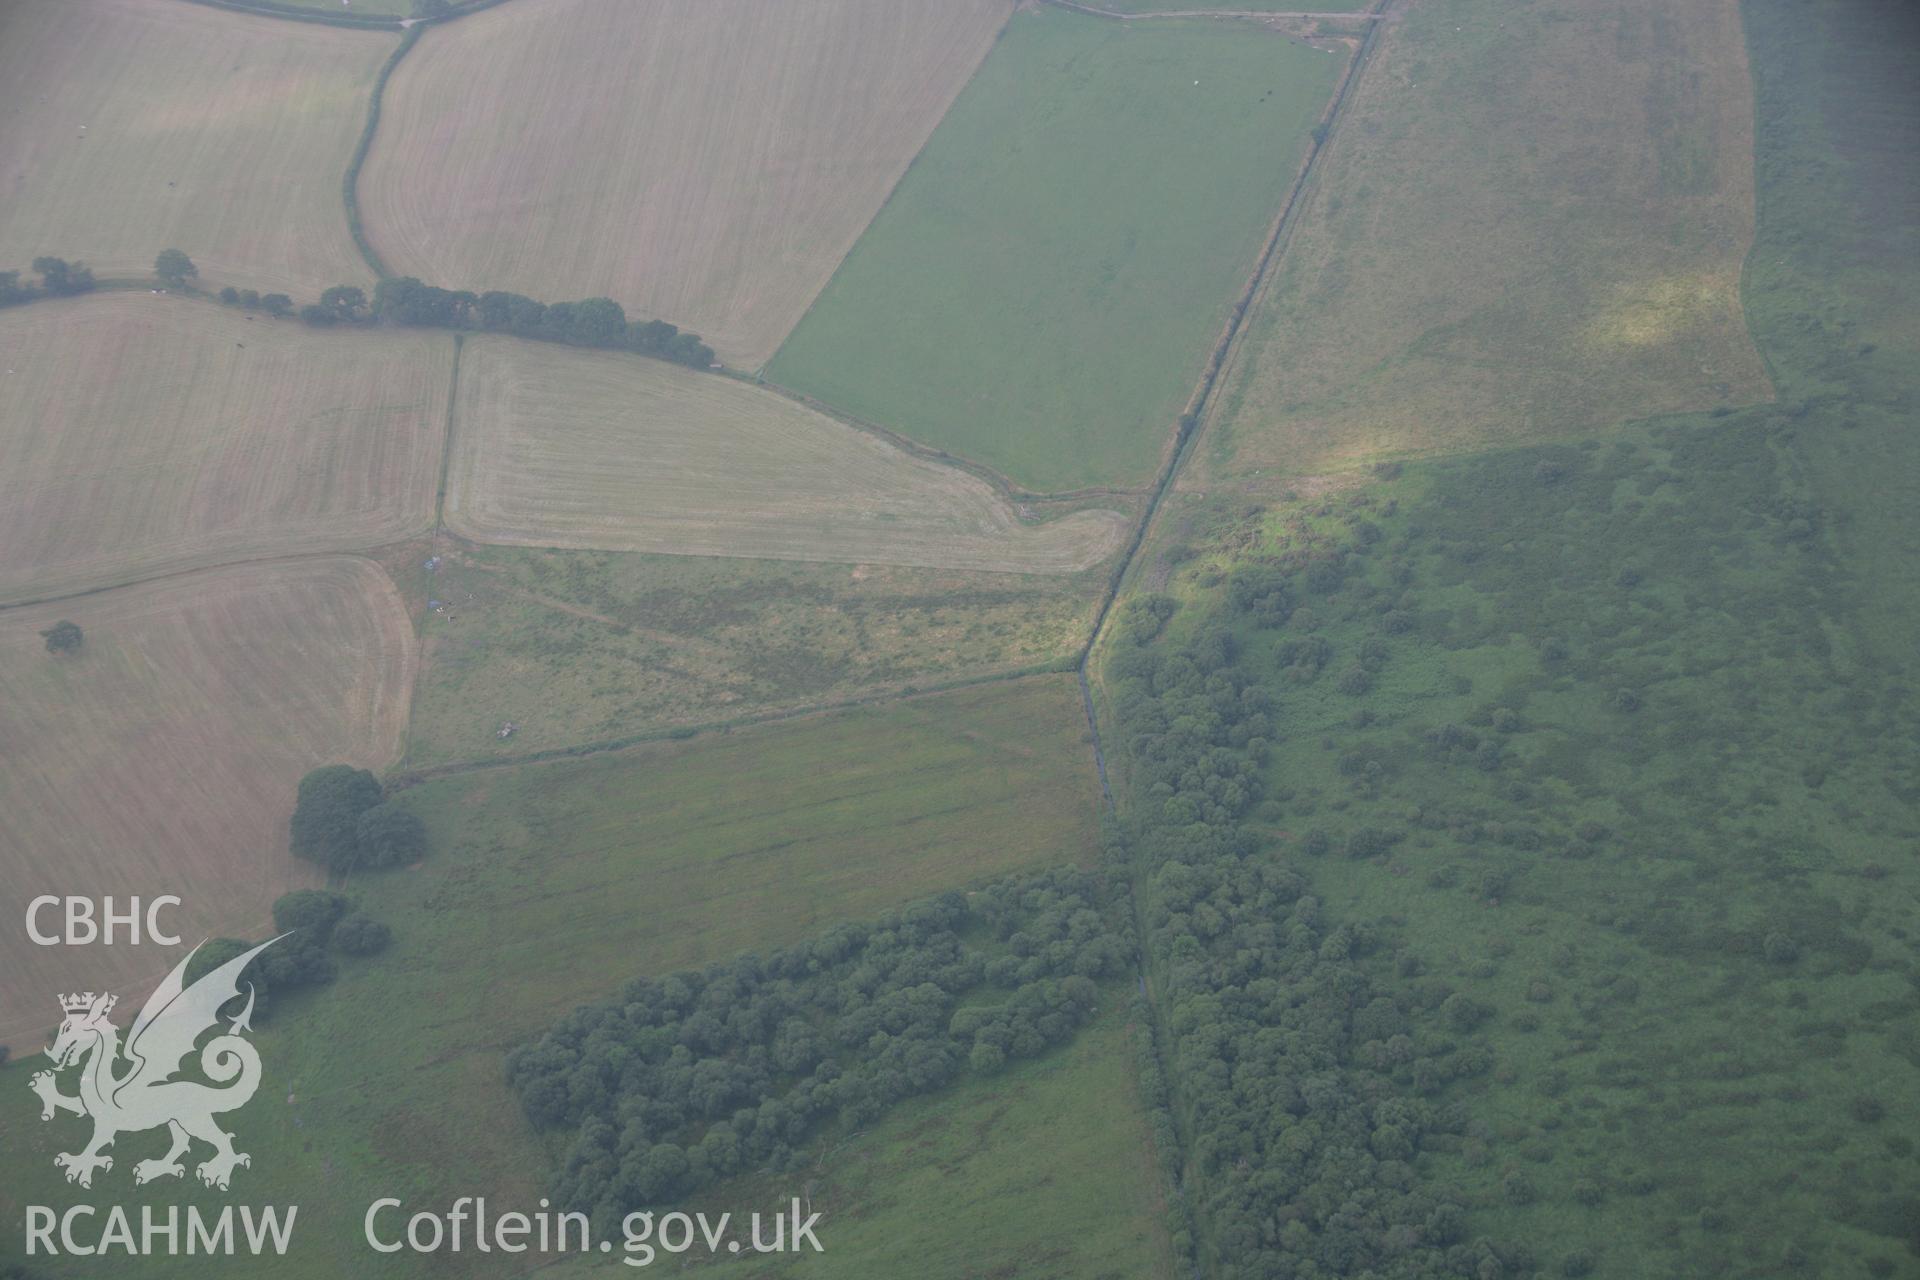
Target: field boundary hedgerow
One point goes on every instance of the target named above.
(350, 183)
(1186, 433)
(1000, 480)
(1258, 15)
(351, 21)
(446, 438)
(403, 778)
(759, 373)
(292, 13)
(1170, 1121)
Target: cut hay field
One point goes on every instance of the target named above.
(162, 758)
(707, 162)
(142, 435)
(590, 449)
(589, 646)
(1043, 289)
(140, 125)
(551, 885)
(1531, 222)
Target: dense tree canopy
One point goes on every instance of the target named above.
(60, 277)
(1303, 1082)
(593, 322)
(701, 1074)
(326, 816)
(388, 836)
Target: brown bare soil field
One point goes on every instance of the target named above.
(600, 450)
(163, 757)
(134, 126)
(1531, 222)
(142, 435)
(708, 162)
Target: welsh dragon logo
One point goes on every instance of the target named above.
(130, 1088)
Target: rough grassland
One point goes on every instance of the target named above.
(592, 449)
(550, 885)
(140, 435)
(588, 646)
(163, 757)
(1043, 289)
(222, 134)
(708, 162)
(1531, 222)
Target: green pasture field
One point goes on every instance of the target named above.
(588, 646)
(549, 885)
(1042, 289)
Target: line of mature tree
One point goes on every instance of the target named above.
(1306, 1059)
(58, 279)
(591, 322)
(685, 1079)
(274, 304)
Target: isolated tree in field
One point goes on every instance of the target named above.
(389, 836)
(326, 817)
(64, 637)
(174, 267)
